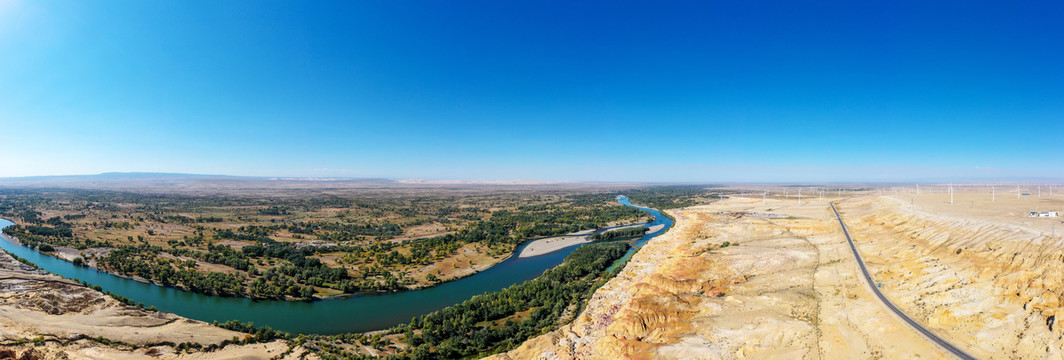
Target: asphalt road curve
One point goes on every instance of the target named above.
(915, 325)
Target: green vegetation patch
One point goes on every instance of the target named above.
(472, 328)
(620, 233)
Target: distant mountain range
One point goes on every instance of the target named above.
(115, 176)
(175, 181)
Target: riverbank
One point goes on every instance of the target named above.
(350, 314)
(10, 239)
(57, 318)
(548, 245)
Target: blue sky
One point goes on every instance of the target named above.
(599, 91)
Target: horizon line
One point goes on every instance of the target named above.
(457, 181)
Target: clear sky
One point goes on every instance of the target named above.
(569, 90)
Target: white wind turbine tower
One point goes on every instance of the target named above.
(1017, 191)
(917, 189)
(763, 195)
(993, 195)
(951, 193)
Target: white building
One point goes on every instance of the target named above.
(1047, 214)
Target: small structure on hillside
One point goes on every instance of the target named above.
(1050, 214)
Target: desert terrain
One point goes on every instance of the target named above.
(980, 272)
(753, 278)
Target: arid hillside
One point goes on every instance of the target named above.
(979, 272)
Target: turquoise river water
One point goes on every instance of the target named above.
(357, 313)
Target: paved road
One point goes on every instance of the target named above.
(868, 278)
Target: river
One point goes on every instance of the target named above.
(357, 313)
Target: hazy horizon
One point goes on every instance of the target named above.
(929, 181)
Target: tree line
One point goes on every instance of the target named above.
(498, 321)
(629, 232)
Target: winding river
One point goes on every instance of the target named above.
(357, 313)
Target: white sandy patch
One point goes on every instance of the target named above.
(551, 244)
